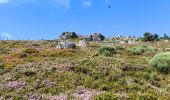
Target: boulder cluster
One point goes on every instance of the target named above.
(68, 35)
(65, 44)
(95, 37)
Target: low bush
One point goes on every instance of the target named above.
(4, 51)
(107, 51)
(120, 47)
(30, 50)
(141, 49)
(136, 51)
(161, 61)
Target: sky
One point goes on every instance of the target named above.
(47, 19)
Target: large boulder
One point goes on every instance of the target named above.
(68, 35)
(66, 45)
(95, 37)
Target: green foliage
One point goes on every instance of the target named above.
(107, 51)
(52, 72)
(4, 51)
(29, 73)
(30, 50)
(141, 49)
(1, 64)
(165, 37)
(150, 37)
(161, 61)
(120, 47)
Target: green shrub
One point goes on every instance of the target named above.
(136, 51)
(141, 49)
(30, 50)
(107, 51)
(4, 51)
(120, 48)
(1, 64)
(161, 61)
(29, 73)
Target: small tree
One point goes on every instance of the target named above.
(165, 37)
(150, 37)
(156, 37)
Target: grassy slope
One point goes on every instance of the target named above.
(124, 75)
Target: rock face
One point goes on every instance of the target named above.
(68, 35)
(95, 37)
(83, 43)
(66, 45)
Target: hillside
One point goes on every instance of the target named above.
(36, 70)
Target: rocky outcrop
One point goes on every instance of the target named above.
(66, 45)
(68, 35)
(95, 37)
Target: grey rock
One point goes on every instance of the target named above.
(83, 43)
(95, 37)
(66, 45)
(68, 35)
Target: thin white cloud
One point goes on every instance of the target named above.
(64, 3)
(4, 1)
(87, 3)
(58, 3)
(5, 36)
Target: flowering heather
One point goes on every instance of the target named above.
(33, 96)
(15, 85)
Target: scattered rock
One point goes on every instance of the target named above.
(167, 49)
(83, 43)
(130, 81)
(66, 45)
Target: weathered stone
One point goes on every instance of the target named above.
(95, 37)
(66, 45)
(83, 43)
(167, 49)
(68, 35)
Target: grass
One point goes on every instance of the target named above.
(52, 72)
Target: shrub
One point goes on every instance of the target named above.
(1, 64)
(29, 73)
(120, 48)
(4, 51)
(136, 51)
(141, 49)
(161, 61)
(107, 51)
(30, 50)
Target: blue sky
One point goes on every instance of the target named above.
(46, 19)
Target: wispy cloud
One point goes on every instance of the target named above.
(87, 3)
(58, 3)
(6, 36)
(4, 1)
(64, 3)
